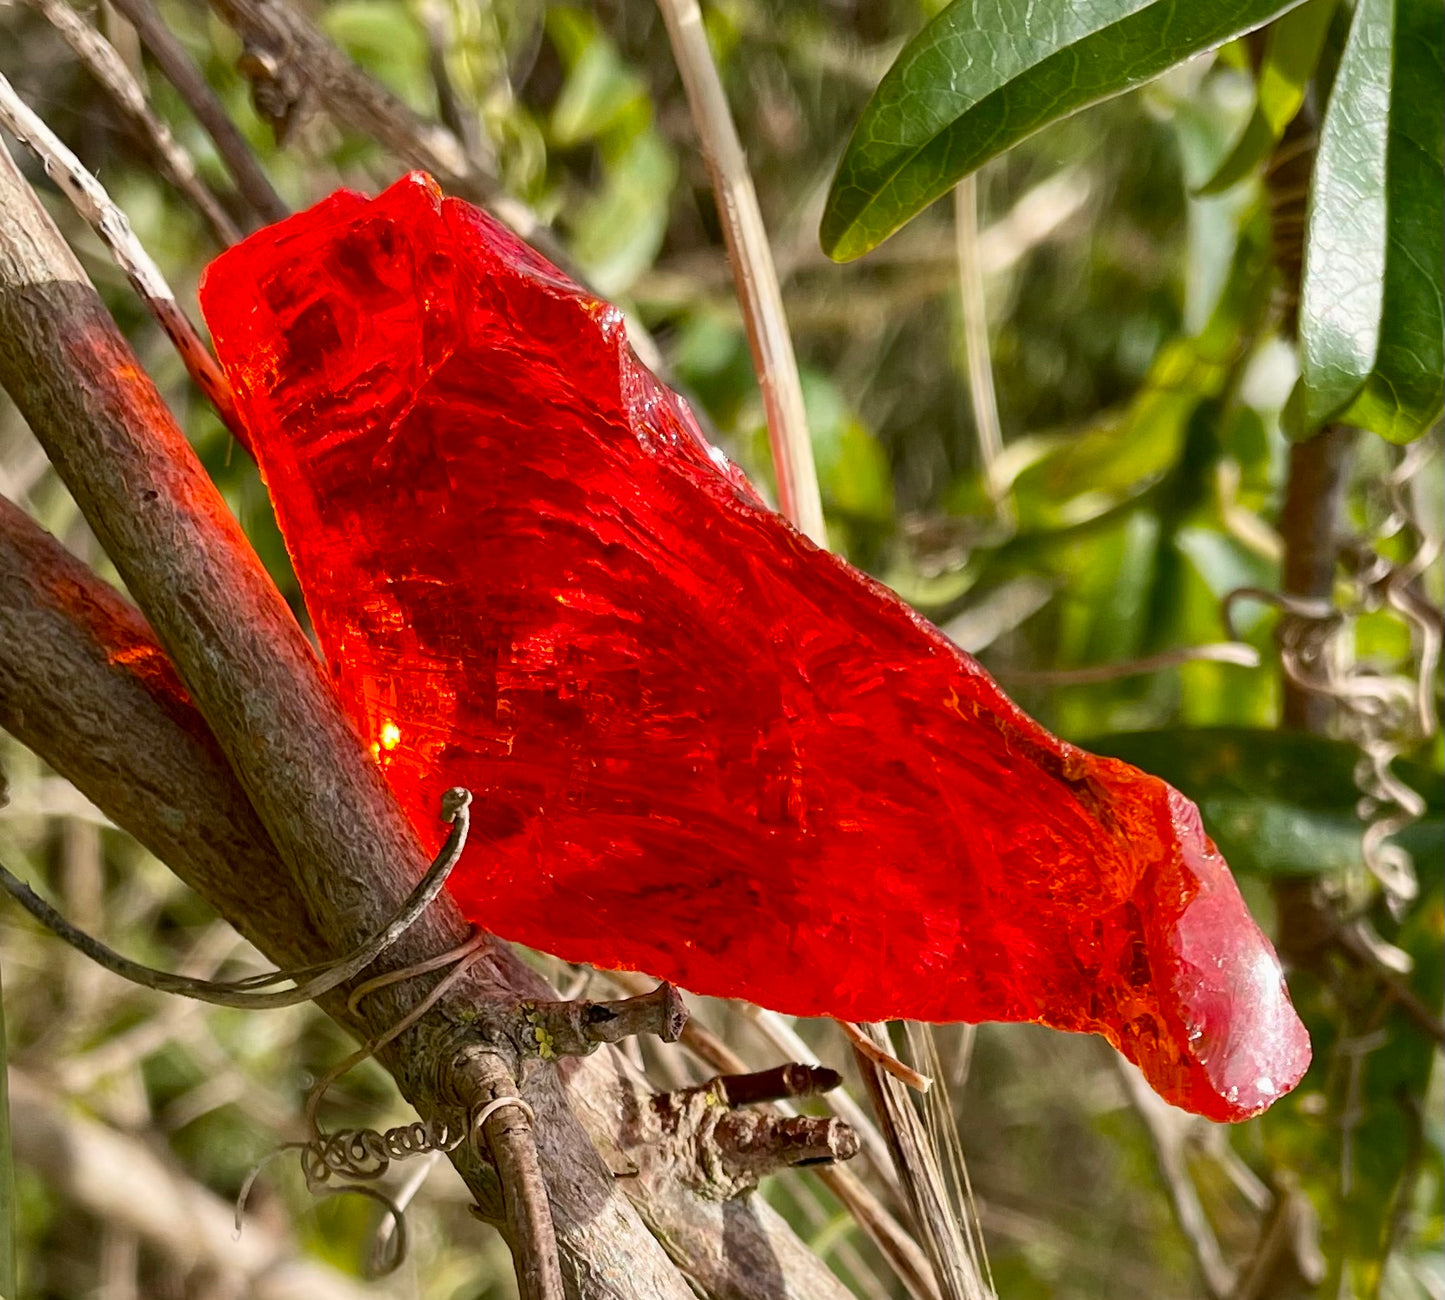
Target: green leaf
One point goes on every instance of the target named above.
(1371, 314)
(600, 94)
(986, 74)
(1277, 803)
(383, 37)
(1355, 1132)
(617, 230)
(1291, 51)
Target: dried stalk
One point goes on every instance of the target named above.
(754, 276)
(916, 1158)
(1238, 653)
(83, 680)
(170, 55)
(110, 223)
(973, 303)
(107, 67)
(247, 664)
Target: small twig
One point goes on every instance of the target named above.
(573, 1028)
(1222, 652)
(106, 66)
(752, 1144)
(883, 1059)
(503, 1123)
(753, 271)
(315, 980)
(732, 1150)
(170, 55)
(871, 1214)
(789, 1042)
(107, 220)
(790, 1080)
(973, 304)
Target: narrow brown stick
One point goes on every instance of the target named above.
(504, 1126)
(170, 55)
(106, 66)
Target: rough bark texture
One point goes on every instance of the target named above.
(327, 847)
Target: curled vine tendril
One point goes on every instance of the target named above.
(364, 1155)
(1380, 712)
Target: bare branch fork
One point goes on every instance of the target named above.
(314, 857)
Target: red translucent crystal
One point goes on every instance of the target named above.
(701, 747)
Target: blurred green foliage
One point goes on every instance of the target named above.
(1142, 361)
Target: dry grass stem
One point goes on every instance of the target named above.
(917, 1158)
(973, 304)
(1238, 653)
(753, 271)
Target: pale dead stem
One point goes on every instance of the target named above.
(915, 1153)
(973, 306)
(1167, 1130)
(112, 226)
(754, 276)
(1238, 653)
(128, 466)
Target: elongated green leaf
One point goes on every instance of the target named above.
(1371, 313)
(1276, 802)
(985, 74)
(1291, 51)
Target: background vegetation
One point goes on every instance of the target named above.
(1142, 342)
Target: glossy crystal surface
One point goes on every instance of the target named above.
(700, 747)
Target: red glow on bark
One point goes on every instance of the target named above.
(701, 747)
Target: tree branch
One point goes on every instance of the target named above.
(170, 55)
(85, 683)
(106, 66)
(347, 849)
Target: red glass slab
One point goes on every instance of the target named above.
(700, 747)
